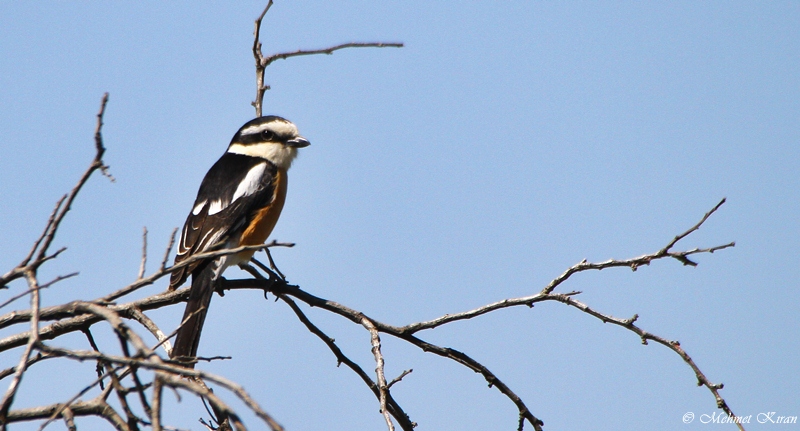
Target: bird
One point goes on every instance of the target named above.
(239, 202)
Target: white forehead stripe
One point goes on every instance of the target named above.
(279, 127)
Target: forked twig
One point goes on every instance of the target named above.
(263, 62)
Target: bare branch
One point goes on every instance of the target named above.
(196, 387)
(80, 316)
(544, 295)
(169, 249)
(43, 286)
(42, 244)
(69, 419)
(156, 404)
(95, 407)
(399, 378)
(356, 317)
(144, 254)
(406, 332)
(263, 62)
(20, 269)
(383, 388)
(9, 371)
(645, 259)
(394, 408)
(693, 228)
(111, 371)
(675, 346)
(82, 320)
(50, 221)
(146, 281)
(136, 314)
(330, 50)
(33, 339)
(170, 376)
(260, 88)
(96, 164)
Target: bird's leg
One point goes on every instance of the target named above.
(272, 275)
(273, 278)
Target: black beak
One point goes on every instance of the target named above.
(298, 142)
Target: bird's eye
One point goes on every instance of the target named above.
(267, 135)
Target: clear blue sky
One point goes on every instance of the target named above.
(504, 143)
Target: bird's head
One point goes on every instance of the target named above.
(271, 137)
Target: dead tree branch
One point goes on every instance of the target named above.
(383, 388)
(263, 62)
(139, 375)
(73, 317)
(546, 294)
(42, 244)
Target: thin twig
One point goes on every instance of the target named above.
(675, 346)
(100, 367)
(645, 259)
(273, 266)
(38, 357)
(677, 238)
(169, 249)
(143, 265)
(399, 378)
(330, 50)
(43, 286)
(96, 164)
(151, 326)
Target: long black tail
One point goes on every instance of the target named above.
(188, 337)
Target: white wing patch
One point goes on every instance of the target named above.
(216, 206)
(249, 185)
(251, 182)
(199, 207)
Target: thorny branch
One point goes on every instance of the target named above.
(141, 372)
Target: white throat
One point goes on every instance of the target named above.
(280, 155)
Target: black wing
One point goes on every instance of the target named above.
(232, 190)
